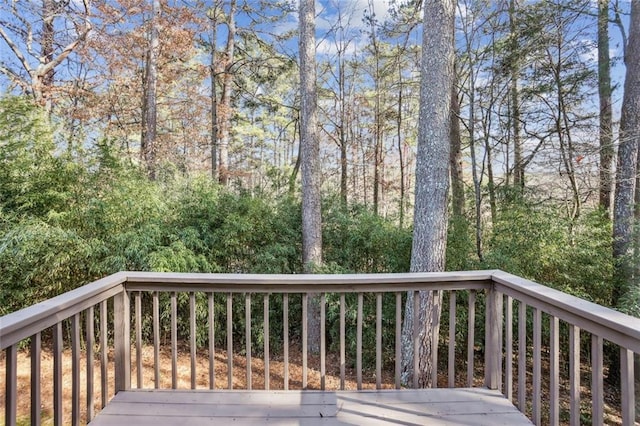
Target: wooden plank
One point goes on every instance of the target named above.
(416, 337)
(451, 361)
(435, 336)
(285, 333)
(342, 341)
(90, 342)
(537, 366)
(104, 349)
(212, 352)
(11, 386)
(471, 339)
(574, 375)
(24, 323)
(247, 338)
(156, 340)
(522, 356)
(323, 342)
(493, 346)
(509, 349)
(378, 340)
(192, 337)
(597, 385)
(266, 340)
(174, 340)
(75, 370)
(229, 341)
(138, 326)
(611, 325)
(305, 319)
(36, 373)
(554, 371)
(58, 343)
(359, 342)
(398, 348)
(627, 379)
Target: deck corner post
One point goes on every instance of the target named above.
(122, 340)
(493, 339)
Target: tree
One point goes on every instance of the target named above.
(432, 184)
(604, 92)
(150, 102)
(33, 69)
(310, 161)
(623, 210)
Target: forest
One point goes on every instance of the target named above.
(166, 136)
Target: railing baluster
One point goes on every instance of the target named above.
(192, 337)
(104, 349)
(451, 370)
(416, 334)
(247, 338)
(509, 349)
(597, 391)
(156, 340)
(522, 357)
(285, 334)
(75, 370)
(36, 369)
(212, 354)
(398, 342)
(138, 325)
(305, 297)
(436, 296)
(90, 331)
(266, 341)
(378, 340)
(574, 375)
(554, 371)
(471, 337)
(342, 341)
(229, 340)
(174, 340)
(627, 378)
(323, 319)
(359, 342)
(11, 386)
(57, 374)
(537, 364)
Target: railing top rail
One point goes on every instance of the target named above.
(26, 322)
(607, 323)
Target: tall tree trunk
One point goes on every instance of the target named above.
(310, 163)
(623, 210)
(457, 177)
(401, 158)
(377, 155)
(604, 94)
(213, 18)
(514, 92)
(225, 100)
(148, 148)
(45, 83)
(432, 185)
(342, 127)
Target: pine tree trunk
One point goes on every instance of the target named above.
(432, 185)
(214, 94)
(310, 164)
(225, 100)
(604, 92)
(514, 91)
(623, 211)
(148, 149)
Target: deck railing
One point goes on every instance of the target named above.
(510, 340)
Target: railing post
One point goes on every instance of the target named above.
(122, 340)
(493, 339)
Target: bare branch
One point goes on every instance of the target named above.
(16, 50)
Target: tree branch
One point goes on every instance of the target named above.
(16, 50)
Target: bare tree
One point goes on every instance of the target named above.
(432, 185)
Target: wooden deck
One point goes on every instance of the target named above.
(463, 406)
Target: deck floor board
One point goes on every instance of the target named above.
(468, 406)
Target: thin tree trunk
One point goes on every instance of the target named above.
(432, 185)
(457, 177)
(148, 147)
(213, 17)
(310, 163)
(514, 91)
(401, 144)
(225, 100)
(604, 93)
